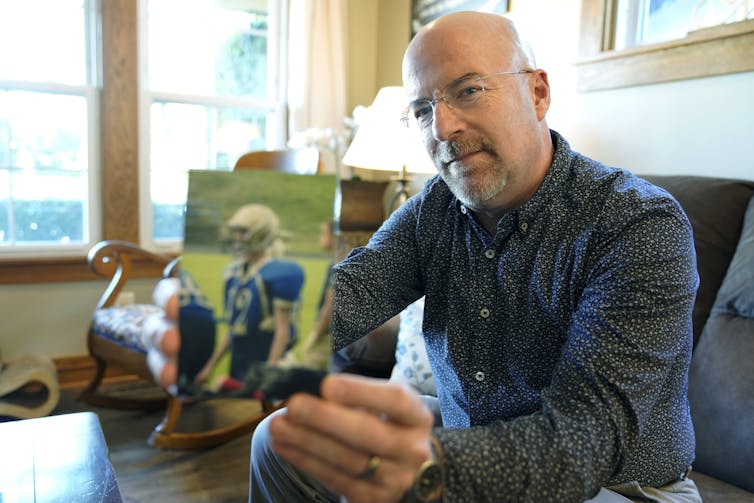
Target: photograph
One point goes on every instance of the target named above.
(254, 278)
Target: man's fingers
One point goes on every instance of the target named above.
(161, 334)
(395, 401)
(164, 370)
(362, 429)
(165, 290)
(338, 467)
(288, 436)
(340, 481)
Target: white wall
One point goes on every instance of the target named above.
(700, 127)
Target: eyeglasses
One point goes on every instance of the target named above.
(461, 94)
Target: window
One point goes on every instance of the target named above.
(48, 127)
(211, 92)
(639, 22)
(632, 42)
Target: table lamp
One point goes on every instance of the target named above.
(383, 143)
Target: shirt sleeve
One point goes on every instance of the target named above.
(377, 281)
(628, 348)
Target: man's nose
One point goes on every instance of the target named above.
(446, 122)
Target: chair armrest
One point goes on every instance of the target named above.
(171, 270)
(114, 260)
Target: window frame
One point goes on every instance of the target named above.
(718, 50)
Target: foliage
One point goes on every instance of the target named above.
(167, 222)
(242, 62)
(42, 221)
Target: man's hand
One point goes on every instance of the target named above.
(334, 438)
(161, 336)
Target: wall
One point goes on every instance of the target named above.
(702, 126)
(362, 53)
(52, 319)
(698, 126)
(378, 33)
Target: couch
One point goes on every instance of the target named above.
(721, 378)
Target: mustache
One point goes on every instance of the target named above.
(450, 151)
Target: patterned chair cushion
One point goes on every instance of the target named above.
(124, 324)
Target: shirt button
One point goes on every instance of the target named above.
(484, 312)
(489, 253)
(463, 209)
(524, 226)
(479, 376)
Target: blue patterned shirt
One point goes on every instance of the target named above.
(560, 345)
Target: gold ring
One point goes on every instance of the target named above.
(372, 464)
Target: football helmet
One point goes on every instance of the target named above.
(252, 228)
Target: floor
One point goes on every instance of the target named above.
(146, 474)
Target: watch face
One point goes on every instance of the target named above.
(429, 481)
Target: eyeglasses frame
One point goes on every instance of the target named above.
(406, 117)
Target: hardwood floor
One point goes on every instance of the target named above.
(146, 474)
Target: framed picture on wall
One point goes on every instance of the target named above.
(424, 11)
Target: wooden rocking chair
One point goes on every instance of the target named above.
(119, 345)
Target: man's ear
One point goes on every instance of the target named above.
(540, 93)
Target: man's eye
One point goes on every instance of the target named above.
(422, 111)
(468, 93)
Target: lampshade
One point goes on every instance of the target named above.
(382, 142)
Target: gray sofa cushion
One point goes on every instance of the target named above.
(716, 209)
(721, 379)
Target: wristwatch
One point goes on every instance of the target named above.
(429, 482)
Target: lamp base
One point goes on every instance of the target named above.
(401, 193)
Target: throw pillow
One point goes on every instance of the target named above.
(411, 362)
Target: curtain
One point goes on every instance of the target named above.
(316, 66)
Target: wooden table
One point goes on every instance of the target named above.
(56, 458)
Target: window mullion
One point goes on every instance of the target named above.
(216, 101)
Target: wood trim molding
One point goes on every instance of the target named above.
(57, 270)
(719, 50)
(119, 121)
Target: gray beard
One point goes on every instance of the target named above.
(473, 198)
(471, 195)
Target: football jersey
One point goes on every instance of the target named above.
(250, 300)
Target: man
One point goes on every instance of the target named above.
(557, 318)
(558, 296)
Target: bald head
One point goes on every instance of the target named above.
(466, 33)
